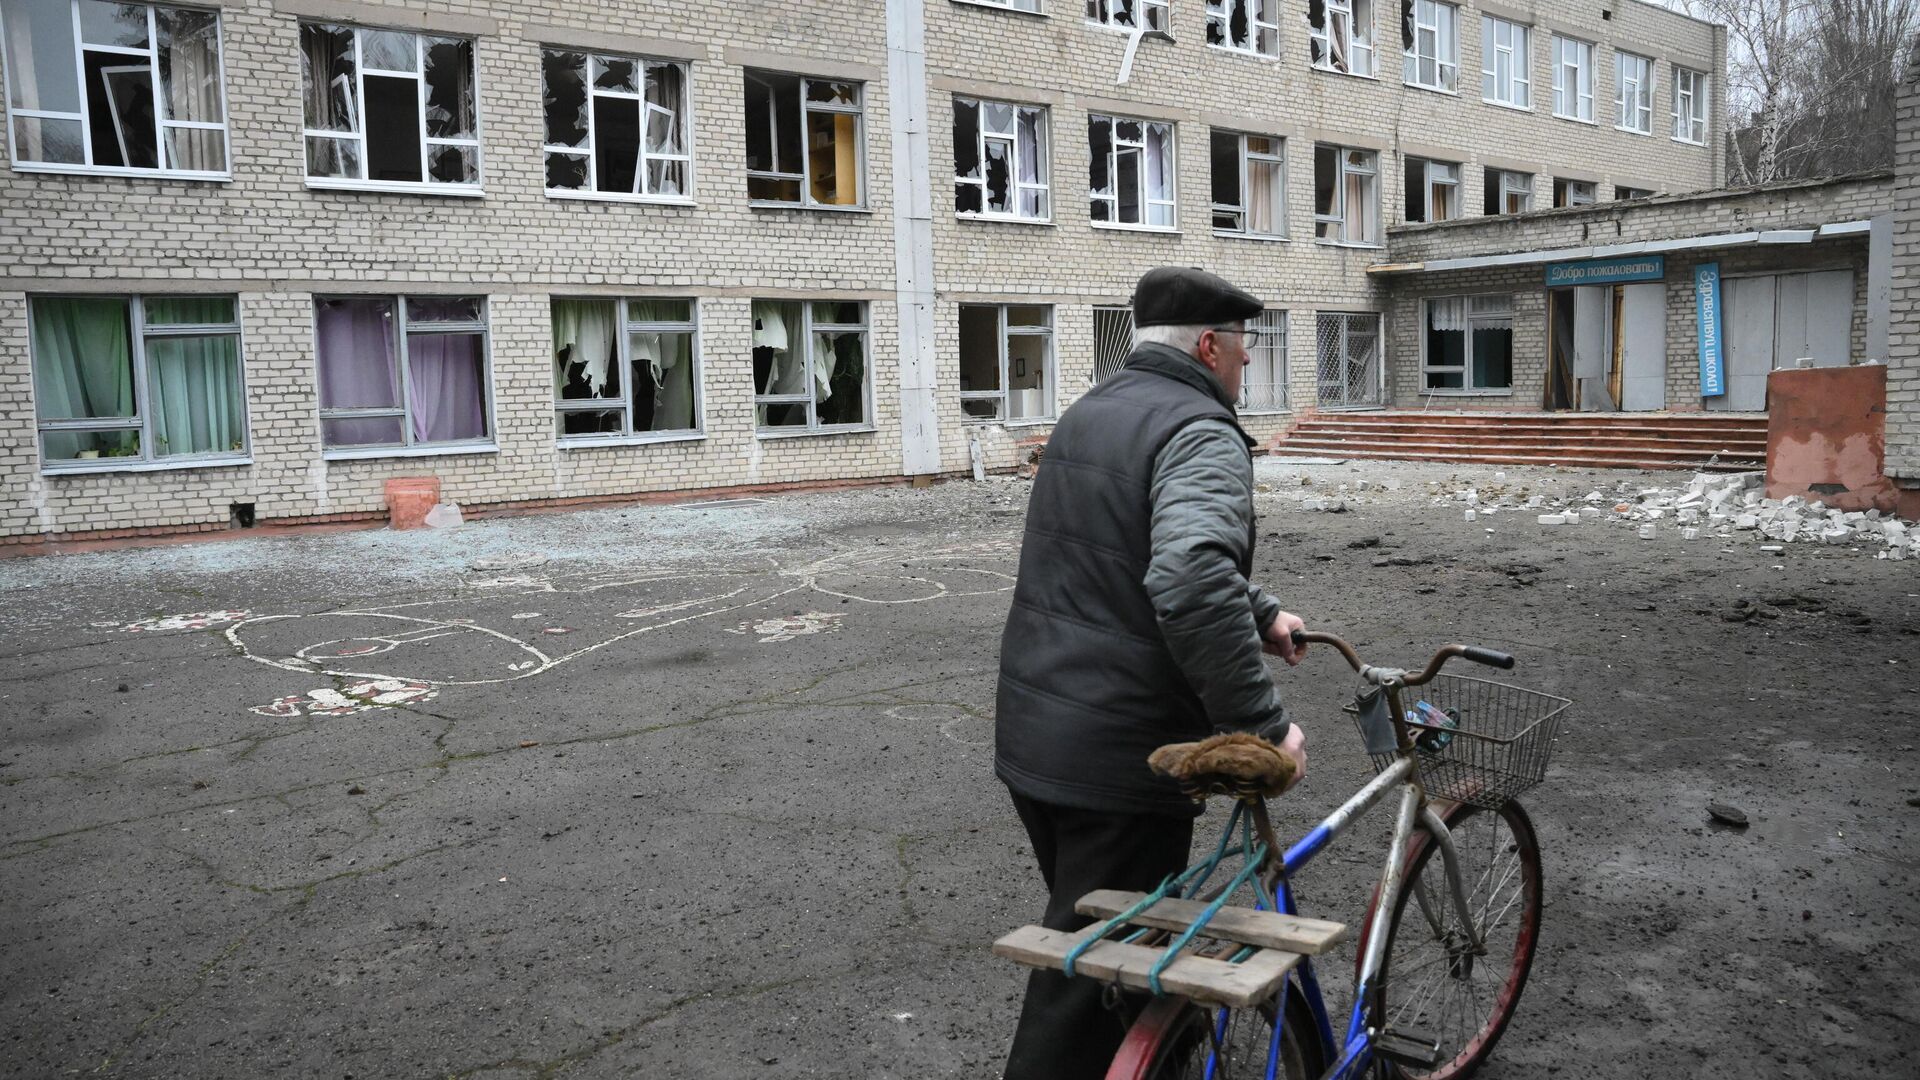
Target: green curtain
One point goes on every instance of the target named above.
(193, 388)
(82, 358)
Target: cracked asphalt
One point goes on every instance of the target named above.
(707, 791)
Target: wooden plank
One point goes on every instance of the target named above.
(1211, 982)
(1264, 929)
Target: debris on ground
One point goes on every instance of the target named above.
(1727, 815)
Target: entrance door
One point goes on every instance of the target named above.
(1592, 347)
(1641, 330)
(1775, 320)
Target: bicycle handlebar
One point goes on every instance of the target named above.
(1489, 657)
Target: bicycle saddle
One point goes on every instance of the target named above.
(1236, 764)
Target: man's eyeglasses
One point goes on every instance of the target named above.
(1251, 334)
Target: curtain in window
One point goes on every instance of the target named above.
(357, 368)
(193, 388)
(669, 358)
(82, 358)
(1262, 198)
(1447, 313)
(1359, 208)
(189, 49)
(583, 334)
(449, 402)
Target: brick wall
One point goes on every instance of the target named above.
(1903, 361)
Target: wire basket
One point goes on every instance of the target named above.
(1498, 748)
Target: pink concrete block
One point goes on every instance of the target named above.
(408, 500)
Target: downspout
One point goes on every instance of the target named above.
(913, 237)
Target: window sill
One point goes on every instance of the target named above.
(1002, 219)
(1575, 120)
(1634, 131)
(806, 433)
(52, 168)
(1686, 142)
(1349, 244)
(1159, 230)
(1466, 393)
(1432, 89)
(94, 466)
(373, 452)
(1019, 422)
(1263, 238)
(1506, 105)
(1245, 54)
(1347, 74)
(614, 196)
(991, 6)
(315, 183)
(758, 204)
(589, 442)
(1265, 410)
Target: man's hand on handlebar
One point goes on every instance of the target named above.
(1277, 639)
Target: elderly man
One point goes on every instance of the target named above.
(1133, 625)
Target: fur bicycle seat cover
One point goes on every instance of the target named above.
(1236, 764)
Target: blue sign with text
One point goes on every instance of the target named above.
(1607, 271)
(1706, 296)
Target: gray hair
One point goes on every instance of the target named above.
(1185, 337)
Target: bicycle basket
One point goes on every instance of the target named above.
(1498, 746)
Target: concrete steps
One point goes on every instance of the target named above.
(1606, 441)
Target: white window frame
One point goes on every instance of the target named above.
(1573, 79)
(1435, 173)
(808, 327)
(1490, 314)
(151, 55)
(142, 419)
(1579, 192)
(623, 341)
(1270, 347)
(427, 143)
(1025, 7)
(1435, 24)
(407, 447)
(1517, 51)
(1632, 192)
(1514, 182)
(1048, 391)
(1690, 104)
(1633, 92)
(641, 174)
(1220, 21)
(1043, 124)
(1147, 201)
(1339, 216)
(1246, 158)
(858, 111)
(1356, 17)
(1120, 14)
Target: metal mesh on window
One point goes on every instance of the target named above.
(1347, 347)
(1112, 340)
(1264, 386)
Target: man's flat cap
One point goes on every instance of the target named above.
(1186, 296)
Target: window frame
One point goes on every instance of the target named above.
(1320, 39)
(857, 111)
(1632, 193)
(1245, 156)
(1146, 201)
(686, 122)
(1583, 64)
(424, 185)
(1465, 367)
(1512, 182)
(1428, 182)
(1519, 63)
(1567, 191)
(627, 326)
(1446, 58)
(407, 446)
(138, 331)
(980, 138)
(1109, 17)
(1039, 6)
(161, 124)
(807, 329)
(1272, 341)
(1048, 374)
(1700, 104)
(1340, 217)
(1220, 13)
(1641, 103)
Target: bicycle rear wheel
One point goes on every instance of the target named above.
(1174, 1039)
(1434, 984)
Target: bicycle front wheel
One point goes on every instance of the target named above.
(1174, 1039)
(1435, 983)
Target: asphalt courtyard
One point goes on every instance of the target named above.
(706, 791)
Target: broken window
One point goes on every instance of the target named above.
(1572, 79)
(1249, 184)
(121, 381)
(1633, 92)
(616, 125)
(1006, 360)
(1347, 359)
(1433, 190)
(1251, 26)
(1127, 14)
(1346, 195)
(95, 85)
(1263, 385)
(398, 372)
(1573, 192)
(1340, 35)
(1507, 192)
(1131, 171)
(1032, 6)
(625, 368)
(1621, 191)
(1000, 154)
(1431, 34)
(1112, 340)
(389, 107)
(804, 141)
(809, 366)
(1468, 344)
(1506, 60)
(1689, 105)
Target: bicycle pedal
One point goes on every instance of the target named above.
(1408, 1048)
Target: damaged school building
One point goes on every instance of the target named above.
(269, 260)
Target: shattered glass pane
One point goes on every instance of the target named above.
(666, 178)
(1102, 209)
(335, 158)
(666, 106)
(389, 50)
(966, 138)
(566, 171)
(999, 176)
(998, 118)
(450, 113)
(792, 414)
(112, 24)
(326, 66)
(979, 348)
(836, 93)
(1127, 176)
(615, 73)
(393, 128)
(839, 313)
(1126, 131)
(1159, 161)
(840, 359)
(565, 96)
(768, 189)
(453, 164)
(40, 138)
(1033, 138)
(592, 422)
(616, 151)
(189, 61)
(443, 309)
(779, 350)
(1100, 147)
(1225, 152)
(982, 408)
(966, 198)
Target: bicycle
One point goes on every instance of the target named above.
(1234, 989)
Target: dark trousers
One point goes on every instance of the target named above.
(1065, 1032)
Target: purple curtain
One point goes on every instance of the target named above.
(357, 369)
(449, 401)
